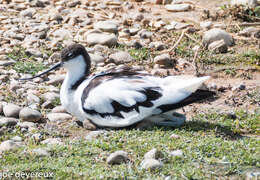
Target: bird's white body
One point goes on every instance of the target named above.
(99, 102)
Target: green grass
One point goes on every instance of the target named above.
(140, 54)
(24, 62)
(213, 145)
(29, 67)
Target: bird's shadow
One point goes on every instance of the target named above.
(220, 130)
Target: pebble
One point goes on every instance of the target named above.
(153, 154)
(40, 152)
(11, 110)
(62, 34)
(95, 58)
(250, 31)
(6, 62)
(117, 157)
(151, 164)
(178, 7)
(177, 25)
(8, 122)
(26, 125)
(163, 59)
(159, 46)
(28, 12)
(50, 96)
(94, 134)
(206, 24)
(107, 26)
(59, 109)
(9, 145)
(52, 141)
(101, 38)
(30, 115)
(121, 57)
(176, 153)
(56, 79)
(250, 3)
(218, 46)
(215, 35)
(54, 117)
(31, 98)
(145, 34)
(89, 125)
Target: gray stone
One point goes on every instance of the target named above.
(215, 35)
(9, 145)
(145, 34)
(6, 62)
(249, 31)
(151, 164)
(56, 80)
(95, 58)
(163, 59)
(218, 46)
(205, 24)
(8, 122)
(53, 117)
(59, 109)
(157, 46)
(177, 25)
(94, 134)
(31, 98)
(250, 3)
(89, 125)
(153, 154)
(31, 115)
(107, 26)
(176, 153)
(101, 38)
(26, 124)
(50, 96)
(121, 57)
(117, 157)
(28, 12)
(177, 7)
(52, 141)
(11, 110)
(40, 152)
(63, 34)
(33, 52)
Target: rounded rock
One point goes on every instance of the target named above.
(117, 157)
(176, 153)
(107, 26)
(9, 145)
(121, 57)
(215, 35)
(152, 154)
(101, 38)
(151, 164)
(8, 122)
(11, 110)
(30, 115)
(178, 7)
(59, 117)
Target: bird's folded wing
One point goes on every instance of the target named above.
(117, 97)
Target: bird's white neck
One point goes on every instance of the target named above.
(76, 71)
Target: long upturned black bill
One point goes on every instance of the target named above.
(58, 65)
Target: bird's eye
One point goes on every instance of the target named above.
(70, 55)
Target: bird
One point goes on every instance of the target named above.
(122, 97)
